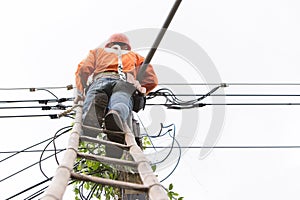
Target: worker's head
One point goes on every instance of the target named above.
(119, 39)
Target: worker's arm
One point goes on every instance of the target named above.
(149, 80)
(84, 70)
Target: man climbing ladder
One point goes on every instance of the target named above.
(114, 87)
(114, 70)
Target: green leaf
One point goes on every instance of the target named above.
(175, 194)
(180, 198)
(95, 166)
(76, 190)
(171, 186)
(153, 168)
(87, 185)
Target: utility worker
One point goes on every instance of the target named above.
(113, 70)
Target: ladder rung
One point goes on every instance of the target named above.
(105, 142)
(114, 183)
(101, 130)
(107, 159)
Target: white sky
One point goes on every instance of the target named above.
(41, 43)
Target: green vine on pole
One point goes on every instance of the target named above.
(173, 195)
(88, 190)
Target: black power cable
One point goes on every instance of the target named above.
(23, 150)
(160, 134)
(235, 84)
(183, 147)
(29, 188)
(30, 151)
(68, 87)
(231, 147)
(172, 102)
(40, 101)
(232, 95)
(36, 194)
(56, 107)
(52, 116)
(176, 106)
(44, 89)
(39, 192)
(56, 135)
(178, 160)
(11, 175)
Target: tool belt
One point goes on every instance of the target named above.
(138, 99)
(111, 74)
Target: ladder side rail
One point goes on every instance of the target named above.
(59, 183)
(156, 190)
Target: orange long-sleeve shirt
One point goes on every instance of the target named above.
(103, 60)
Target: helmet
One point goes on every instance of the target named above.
(118, 37)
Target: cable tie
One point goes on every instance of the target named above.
(54, 116)
(177, 107)
(62, 100)
(32, 89)
(43, 102)
(60, 107)
(46, 108)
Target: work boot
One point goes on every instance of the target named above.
(95, 115)
(113, 122)
(101, 101)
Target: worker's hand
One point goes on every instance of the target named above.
(141, 89)
(136, 83)
(78, 98)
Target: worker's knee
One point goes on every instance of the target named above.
(121, 102)
(122, 108)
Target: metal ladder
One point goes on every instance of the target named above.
(64, 172)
